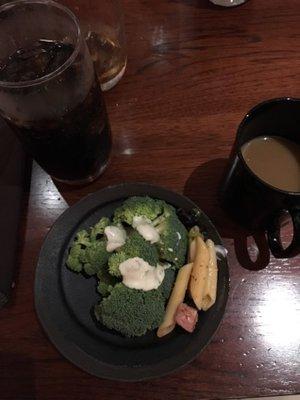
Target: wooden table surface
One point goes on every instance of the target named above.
(193, 71)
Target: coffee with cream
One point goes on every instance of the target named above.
(275, 160)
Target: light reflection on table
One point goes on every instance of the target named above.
(278, 315)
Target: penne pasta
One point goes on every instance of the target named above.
(210, 290)
(192, 250)
(194, 232)
(199, 272)
(176, 298)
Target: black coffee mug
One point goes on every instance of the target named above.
(249, 200)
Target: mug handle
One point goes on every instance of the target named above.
(273, 232)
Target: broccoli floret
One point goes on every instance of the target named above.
(98, 229)
(76, 255)
(104, 289)
(87, 252)
(114, 261)
(95, 257)
(138, 206)
(167, 284)
(74, 260)
(131, 312)
(82, 238)
(173, 240)
(135, 246)
(106, 281)
(167, 211)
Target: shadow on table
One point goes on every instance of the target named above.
(202, 187)
(17, 377)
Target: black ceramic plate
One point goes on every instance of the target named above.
(64, 300)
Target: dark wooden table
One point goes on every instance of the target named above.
(193, 71)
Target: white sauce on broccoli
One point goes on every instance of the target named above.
(138, 274)
(146, 229)
(116, 237)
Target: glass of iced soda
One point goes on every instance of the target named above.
(49, 93)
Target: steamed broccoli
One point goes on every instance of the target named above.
(166, 211)
(87, 253)
(74, 260)
(106, 281)
(104, 289)
(98, 229)
(135, 246)
(114, 261)
(131, 312)
(95, 257)
(167, 284)
(138, 206)
(173, 240)
(77, 251)
(82, 238)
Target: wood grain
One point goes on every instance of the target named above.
(193, 71)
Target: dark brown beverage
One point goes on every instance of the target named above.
(275, 160)
(72, 143)
(42, 58)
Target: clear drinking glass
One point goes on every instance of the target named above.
(102, 24)
(228, 3)
(49, 93)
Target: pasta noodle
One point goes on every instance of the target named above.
(192, 250)
(176, 298)
(199, 272)
(210, 290)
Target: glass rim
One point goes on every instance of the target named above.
(62, 67)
